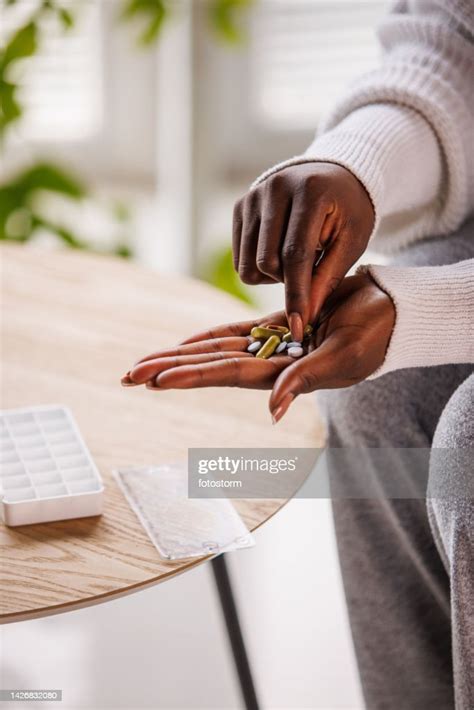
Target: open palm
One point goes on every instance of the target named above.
(216, 357)
(349, 343)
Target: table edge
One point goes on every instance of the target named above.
(43, 612)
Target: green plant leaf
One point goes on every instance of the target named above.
(66, 18)
(220, 273)
(22, 44)
(10, 109)
(151, 33)
(224, 18)
(10, 202)
(65, 235)
(124, 251)
(19, 224)
(46, 176)
(153, 12)
(18, 194)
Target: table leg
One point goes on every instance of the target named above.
(229, 609)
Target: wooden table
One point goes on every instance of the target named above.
(71, 325)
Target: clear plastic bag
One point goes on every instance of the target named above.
(177, 525)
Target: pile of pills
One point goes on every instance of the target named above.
(268, 340)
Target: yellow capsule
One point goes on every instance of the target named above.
(287, 338)
(279, 328)
(260, 332)
(269, 347)
(308, 330)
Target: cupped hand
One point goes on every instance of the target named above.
(305, 225)
(214, 358)
(348, 344)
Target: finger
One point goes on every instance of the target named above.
(237, 233)
(274, 220)
(248, 270)
(223, 331)
(240, 328)
(151, 368)
(251, 373)
(202, 346)
(330, 271)
(299, 257)
(324, 368)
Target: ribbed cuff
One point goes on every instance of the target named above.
(434, 314)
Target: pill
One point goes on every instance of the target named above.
(281, 348)
(294, 344)
(279, 328)
(254, 347)
(295, 351)
(287, 338)
(260, 332)
(269, 347)
(308, 330)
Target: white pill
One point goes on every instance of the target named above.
(254, 347)
(294, 344)
(295, 351)
(281, 348)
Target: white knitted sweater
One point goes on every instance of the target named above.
(406, 131)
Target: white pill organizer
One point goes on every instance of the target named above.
(46, 470)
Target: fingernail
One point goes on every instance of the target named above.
(296, 326)
(127, 382)
(282, 407)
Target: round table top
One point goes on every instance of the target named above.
(71, 325)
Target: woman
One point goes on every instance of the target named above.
(393, 165)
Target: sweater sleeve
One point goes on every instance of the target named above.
(405, 130)
(434, 322)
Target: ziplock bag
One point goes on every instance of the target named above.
(177, 525)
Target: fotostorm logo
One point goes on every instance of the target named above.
(240, 472)
(233, 466)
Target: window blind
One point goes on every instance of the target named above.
(303, 54)
(61, 86)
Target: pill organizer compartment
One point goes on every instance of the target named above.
(46, 470)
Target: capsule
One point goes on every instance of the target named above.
(269, 347)
(279, 328)
(287, 338)
(260, 332)
(308, 330)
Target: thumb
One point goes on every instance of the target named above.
(321, 369)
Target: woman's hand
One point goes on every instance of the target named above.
(214, 358)
(348, 345)
(282, 227)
